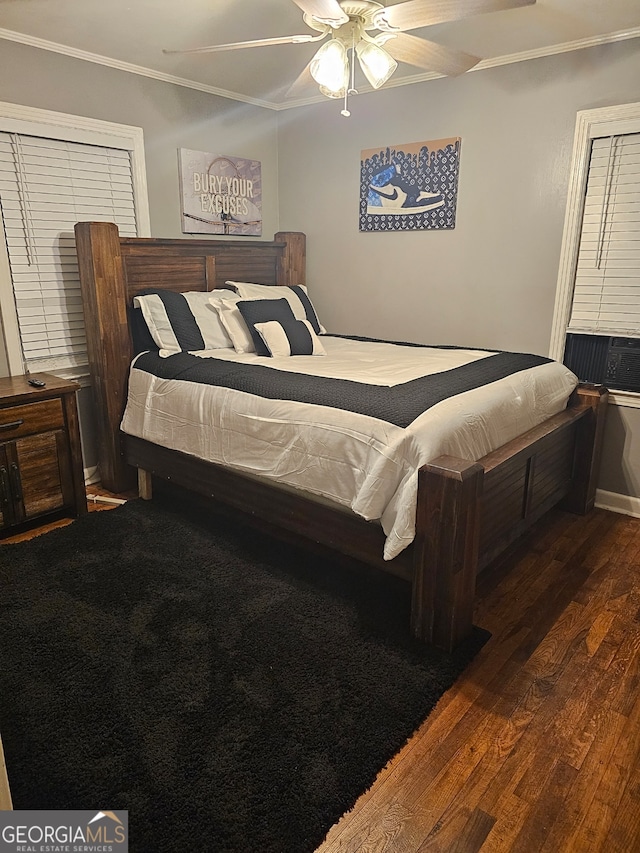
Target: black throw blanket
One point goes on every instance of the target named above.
(399, 404)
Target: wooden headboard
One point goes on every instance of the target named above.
(113, 269)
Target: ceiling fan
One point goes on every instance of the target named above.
(377, 36)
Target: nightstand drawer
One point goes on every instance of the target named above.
(41, 474)
(16, 421)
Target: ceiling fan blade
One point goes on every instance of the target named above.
(423, 13)
(239, 45)
(326, 11)
(303, 82)
(429, 55)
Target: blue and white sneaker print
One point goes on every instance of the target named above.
(390, 193)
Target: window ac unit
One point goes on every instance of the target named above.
(623, 364)
(614, 362)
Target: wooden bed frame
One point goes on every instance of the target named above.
(467, 512)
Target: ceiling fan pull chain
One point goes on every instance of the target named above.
(350, 90)
(345, 111)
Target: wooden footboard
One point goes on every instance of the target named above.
(467, 512)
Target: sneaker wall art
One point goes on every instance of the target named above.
(410, 187)
(220, 194)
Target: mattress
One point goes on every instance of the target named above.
(353, 426)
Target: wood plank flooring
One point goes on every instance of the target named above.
(536, 749)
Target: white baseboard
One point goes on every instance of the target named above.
(91, 475)
(625, 504)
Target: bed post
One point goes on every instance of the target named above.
(446, 550)
(108, 343)
(291, 268)
(588, 447)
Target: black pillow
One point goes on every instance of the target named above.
(262, 311)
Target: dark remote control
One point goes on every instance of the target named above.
(37, 383)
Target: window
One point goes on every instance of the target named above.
(46, 186)
(56, 170)
(598, 295)
(606, 294)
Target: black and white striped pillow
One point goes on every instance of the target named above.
(183, 322)
(296, 295)
(256, 311)
(276, 331)
(294, 337)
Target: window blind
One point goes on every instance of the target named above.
(46, 186)
(606, 297)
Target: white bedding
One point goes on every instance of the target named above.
(355, 460)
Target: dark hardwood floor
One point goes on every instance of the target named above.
(536, 749)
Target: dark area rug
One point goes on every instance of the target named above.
(234, 693)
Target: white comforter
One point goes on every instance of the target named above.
(355, 460)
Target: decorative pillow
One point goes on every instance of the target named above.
(296, 295)
(182, 322)
(263, 311)
(234, 324)
(290, 338)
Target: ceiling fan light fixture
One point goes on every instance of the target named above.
(330, 68)
(329, 93)
(376, 63)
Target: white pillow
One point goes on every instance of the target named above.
(296, 295)
(182, 322)
(233, 322)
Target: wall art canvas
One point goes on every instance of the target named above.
(410, 187)
(220, 194)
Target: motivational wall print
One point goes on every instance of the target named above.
(410, 187)
(220, 194)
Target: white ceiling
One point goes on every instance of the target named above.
(131, 34)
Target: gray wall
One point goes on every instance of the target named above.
(171, 117)
(491, 281)
(620, 469)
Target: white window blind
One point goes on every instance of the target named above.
(606, 297)
(46, 186)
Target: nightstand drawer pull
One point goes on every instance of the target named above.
(12, 425)
(17, 483)
(4, 487)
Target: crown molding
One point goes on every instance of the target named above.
(508, 59)
(130, 68)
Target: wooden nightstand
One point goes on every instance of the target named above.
(41, 471)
